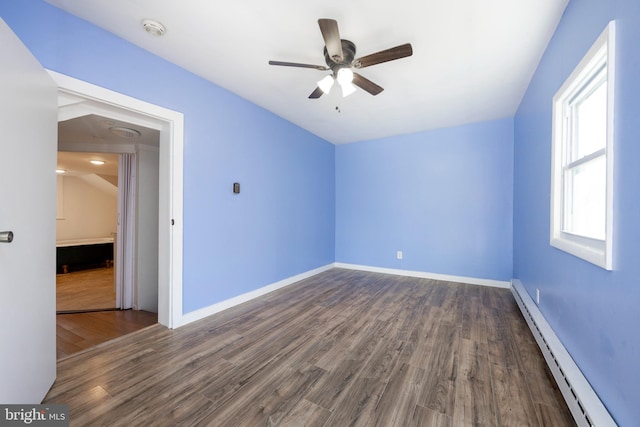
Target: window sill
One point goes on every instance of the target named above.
(590, 250)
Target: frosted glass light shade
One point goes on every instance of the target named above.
(326, 84)
(347, 89)
(345, 76)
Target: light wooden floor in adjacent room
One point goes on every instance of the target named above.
(86, 290)
(341, 348)
(85, 302)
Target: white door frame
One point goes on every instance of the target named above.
(78, 98)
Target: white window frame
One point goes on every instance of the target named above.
(598, 252)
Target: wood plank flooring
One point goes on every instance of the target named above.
(82, 322)
(80, 331)
(85, 290)
(341, 348)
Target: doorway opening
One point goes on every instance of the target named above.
(78, 99)
(86, 225)
(106, 227)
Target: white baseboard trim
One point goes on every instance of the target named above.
(585, 405)
(231, 302)
(426, 275)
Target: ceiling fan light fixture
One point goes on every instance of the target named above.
(344, 76)
(340, 57)
(326, 83)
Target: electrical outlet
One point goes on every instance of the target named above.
(399, 255)
(537, 296)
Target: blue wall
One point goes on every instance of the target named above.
(594, 312)
(282, 222)
(443, 197)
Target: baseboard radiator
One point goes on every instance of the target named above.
(585, 406)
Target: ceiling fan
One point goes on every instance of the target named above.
(339, 54)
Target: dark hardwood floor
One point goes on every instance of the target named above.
(341, 348)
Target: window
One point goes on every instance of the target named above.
(582, 156)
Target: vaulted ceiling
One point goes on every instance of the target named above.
(472, 60)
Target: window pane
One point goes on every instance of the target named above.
(591, 122)
(585, 199)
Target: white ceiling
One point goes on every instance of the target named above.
(78, 164)
(472, 60)
(80, 136)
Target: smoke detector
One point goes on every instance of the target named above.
(123, 132)
(154, 28)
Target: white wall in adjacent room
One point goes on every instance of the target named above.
(89, 208)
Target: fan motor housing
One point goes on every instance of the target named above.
(348, 54)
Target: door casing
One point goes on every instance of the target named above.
(77, 98)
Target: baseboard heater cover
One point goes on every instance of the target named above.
(585, 405)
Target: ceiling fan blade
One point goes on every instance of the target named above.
(397, 52)
(331, 36)
(366, 84)
(316, 93)
(295, 64)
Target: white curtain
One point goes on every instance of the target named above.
(125, 239)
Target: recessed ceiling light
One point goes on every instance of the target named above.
(97, 162)
(60, 171)
(123, 132)
(153, 27)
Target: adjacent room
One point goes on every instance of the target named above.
(88, 310)
(86, 227)
(363, 213)
(101, 226)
